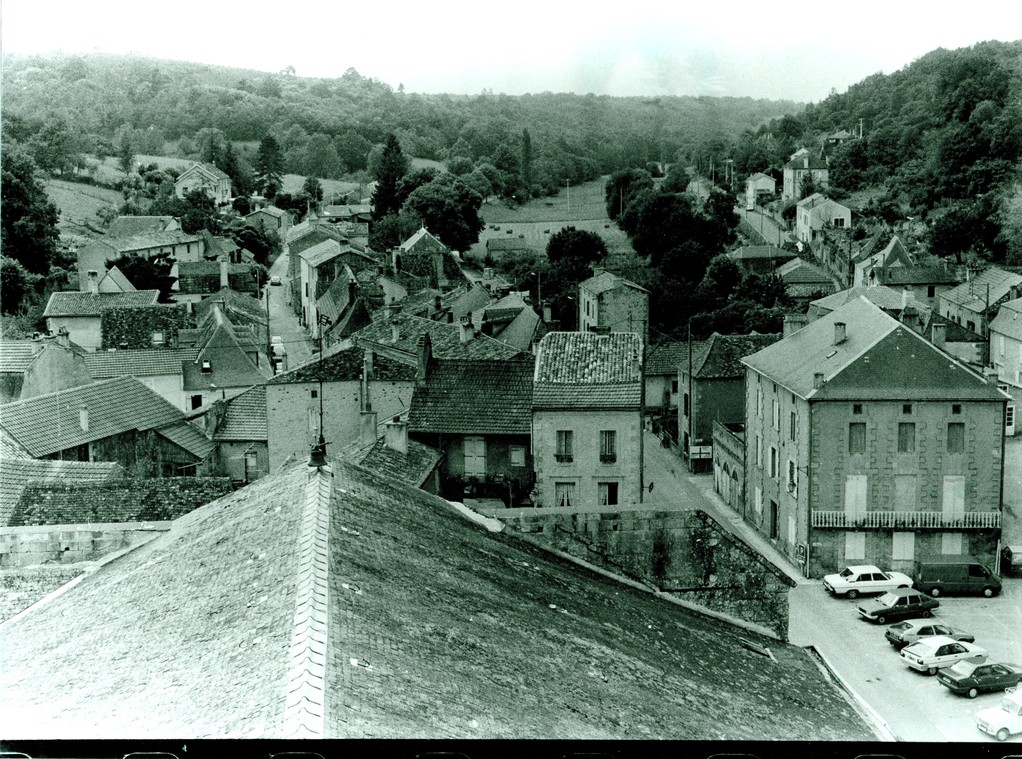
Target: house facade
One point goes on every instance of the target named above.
(38, 366)
(1006, 358)
(78, 314)
(867, 265)
(172, 244)
(926, 282)
(607, 300)
(203, 176)
(864, 443)
(814, 213)
(270, 219)
(587, 419)
(802, 167)
(757, 187)
(159, 369)
(974, 303)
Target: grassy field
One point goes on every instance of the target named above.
(78, 204)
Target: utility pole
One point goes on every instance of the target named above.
(567, 190)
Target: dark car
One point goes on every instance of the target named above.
(905, 633)
(968, 678)
(898, 604)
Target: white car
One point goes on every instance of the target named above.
(930, 654)
(1004, 719)
(863, 579)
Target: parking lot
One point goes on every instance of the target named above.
(914, 706)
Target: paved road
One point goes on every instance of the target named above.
(773, 232)
(284, 322)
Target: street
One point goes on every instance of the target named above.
(283, 321)
(773, 233)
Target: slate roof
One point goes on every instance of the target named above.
(395, 617)
(344, 364)
(129, 226)
(244, 417)
(953, 331)
(233, 303)
(115, 500)
(806, 161)
(973, 294)
(269, 210)
(521, 330)
(1008, 321)
(604, 281)
(880, 359)
(138, 363)
(189, 437)
(208, 169)
(893, 250)
(226, 347)
(475, 398)
(117, 278)
(445, 338)
(50, 423)
(583, 370)
(18, 473)
(668, 358)
(72, 303)
(721, 355)
(475, 298)
(412, 468)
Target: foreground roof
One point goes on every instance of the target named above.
(342, 604)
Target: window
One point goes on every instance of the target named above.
(952, 500)
(775, 410)
(791, 426)
(906, 437)
(856, 408)
(314, 393)
(475, 456)
(759, 450)
(955, 437)
(759, 402)
(857, 437)
(684, 405)
(517, 455)
(564, 493)
(839, 222)
(956, 408)
(608, 446)
(196, 401)
(906, 408)
(773, 462)
(758, 502)
(206, 366)
(970, 325)
(565, 445)
(856, 486)
(674, 386)
(157, 338)
(608, 493)
(905, 487)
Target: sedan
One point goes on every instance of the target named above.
(911, 630)
(861, 579)
(930, 654)
(970, 678)
(898, 604)
(275, 280)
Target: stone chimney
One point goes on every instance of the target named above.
(818, 380)
(547, 315)
(92, 283)
(83, 418)
(367, 363)
(793, 323)
(63, 337)
(487, 273)
(423, 357)
(352, 291)
(395, 331)
(225, 280)
(466, 330)
(839, 332)
(396, 435)
(938, 335)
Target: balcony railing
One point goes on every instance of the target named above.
(975, 520)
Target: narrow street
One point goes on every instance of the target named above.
(283, 321)
(766, 225)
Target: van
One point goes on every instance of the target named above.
(961, 576)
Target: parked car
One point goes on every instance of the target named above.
(898, 604)
(955, 576)
(275, 280)
(863, 579)
(911, 630)
(1005, 719)
(968, 678)
(930, 654)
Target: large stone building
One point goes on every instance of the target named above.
(864, 443)
(607, 300)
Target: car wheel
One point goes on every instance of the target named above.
(935, 592)
(973, 693)
(853, 594)
(926, 613)
(1002, 734)
(988, 592)
(881, 620)
(931, 671)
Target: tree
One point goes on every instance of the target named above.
(231, 166)
(196, 210)
(719, 208)
(212, 146)
(313, 189)
(28, 224)
(15, 284)
(450, 209)
(269, 166)
(262, 244)
(413, 181)
(321, 158)
(56, 148)
(577, 245)
(391, 169)
(622, 185)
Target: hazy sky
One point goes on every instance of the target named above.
(768, 48)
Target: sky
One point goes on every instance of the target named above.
(780, 49)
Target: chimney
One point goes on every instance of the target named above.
(92, 285)
(839, 332)
(818, 380)
(396, 435)
(939, 334)
(83, 418)
(465, 330)
(437, 304)
(367, 427)
(367, 363)
(487, 274)
(547, 315)
(395, 331)
(906, 296)
(352, 292)
(793, 323)
(63, 337)
(423, 357)
(225, 282)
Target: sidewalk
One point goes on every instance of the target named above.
(670, 477)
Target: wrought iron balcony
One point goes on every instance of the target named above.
(974, 520)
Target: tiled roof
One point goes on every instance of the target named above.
(233, 303)
(446, 339)
(345, 365)
(798, 271)
(721, 357)
(423, 240)
(189, 437)
(226, 347)
(149, 240)
(71, 303)
(1009, 319)
(321, 252)
(886, 298)
(411, 469)
(988, 286)
(18, 473)
(521, 331)
(11, 448)
(115, 500)
(208, 169)
(604, 281)
(203, 277)
(475, 397)
(806, 161)
(269, 210)
(668, 358)
(129, 226)
(49, 423)
(474, 299)
(17, 355)
(878, 359)
(917, 275)
(245, 417)
(585, 370)
(138, 363)
(431, 628)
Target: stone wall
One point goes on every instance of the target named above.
(70, 543)
(678, 551)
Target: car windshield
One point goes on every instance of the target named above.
(964, 668)
(888, 599)
(901, 626)
(846, 573)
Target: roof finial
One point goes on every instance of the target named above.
(318, 457)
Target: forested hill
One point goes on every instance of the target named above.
(941, 140)
(169, 101)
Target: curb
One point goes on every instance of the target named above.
(870, 715)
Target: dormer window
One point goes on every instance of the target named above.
(206, 366)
